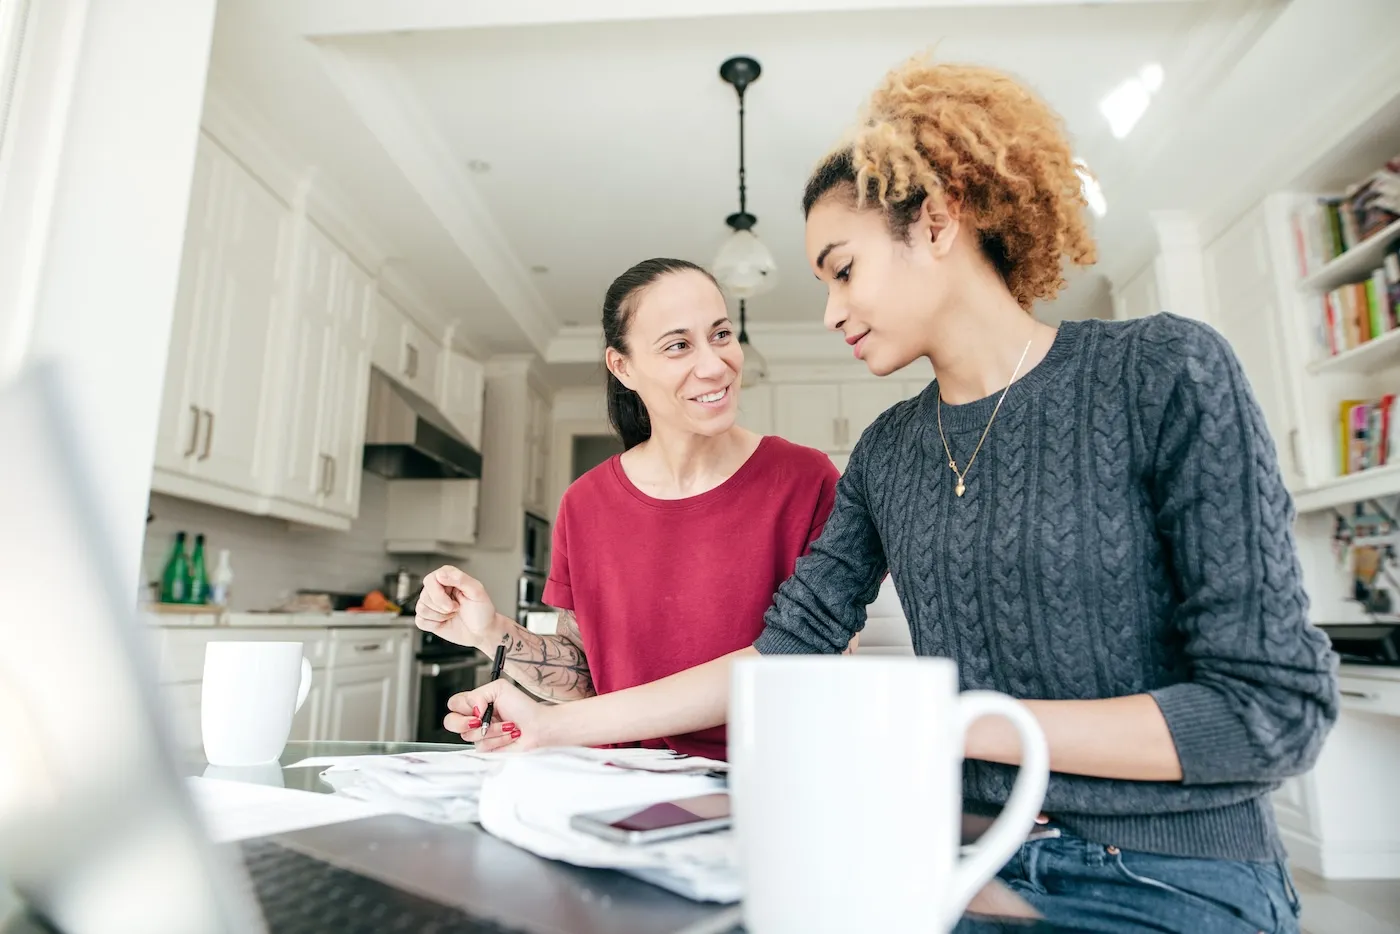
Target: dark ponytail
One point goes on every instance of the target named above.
(625, 409)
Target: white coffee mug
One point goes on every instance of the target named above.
(846, 780)
(251, 692)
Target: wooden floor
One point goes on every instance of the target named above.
(1332, 907)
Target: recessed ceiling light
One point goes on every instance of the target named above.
(1093, 192)
(480, 166)
(539, 270)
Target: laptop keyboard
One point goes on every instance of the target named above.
(304, 895)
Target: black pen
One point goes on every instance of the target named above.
(496, 667)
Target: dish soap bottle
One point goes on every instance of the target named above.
(175, 580)
(199, 575)
(223, 579)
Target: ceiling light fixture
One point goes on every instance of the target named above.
(744, 266)
(1124, 106)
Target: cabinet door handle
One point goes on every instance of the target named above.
(1293, 450)
(325, 466)
(411, 364)
(208, 435)
(845, 432)
(369, 647)
(330, 484)
(194, 431)
(1360, 695)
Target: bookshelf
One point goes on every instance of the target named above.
(1355, 263)
(1349, 488)
(1376, 354)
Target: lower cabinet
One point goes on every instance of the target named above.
(361, 679)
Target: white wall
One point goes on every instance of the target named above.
(271, 560)
(92, 227)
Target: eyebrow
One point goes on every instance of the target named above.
(826, 251)
(681, 332)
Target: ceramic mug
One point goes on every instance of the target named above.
(251, 692)
(846, 778)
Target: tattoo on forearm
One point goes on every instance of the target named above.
(553, 667)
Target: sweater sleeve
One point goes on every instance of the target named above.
(1261, 690)
(822, 605)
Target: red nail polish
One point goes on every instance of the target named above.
(515, 734)
(507, 727)
(474, 723)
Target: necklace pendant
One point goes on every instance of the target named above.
(960, 489)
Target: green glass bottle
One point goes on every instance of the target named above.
(175, 579)
(199, 575)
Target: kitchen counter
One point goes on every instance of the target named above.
(269, 620)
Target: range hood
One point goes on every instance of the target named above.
(407, 438)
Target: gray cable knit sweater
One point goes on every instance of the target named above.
(1125, 530)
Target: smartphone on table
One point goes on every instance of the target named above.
(650, 823)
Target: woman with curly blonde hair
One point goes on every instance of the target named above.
(1089, 518)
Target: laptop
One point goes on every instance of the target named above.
(98, 833)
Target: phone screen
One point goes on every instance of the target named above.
(675, 813)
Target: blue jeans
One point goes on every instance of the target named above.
(1083, 886)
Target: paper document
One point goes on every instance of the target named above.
(241, 810)
(530, 800)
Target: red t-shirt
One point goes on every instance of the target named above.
(659, 586)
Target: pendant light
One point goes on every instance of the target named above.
(744, 265)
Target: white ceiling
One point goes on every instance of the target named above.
(610, 136)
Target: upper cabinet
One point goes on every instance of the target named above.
(463, 388)
(406, 352)
(537, 444)
(228, 297)
(326, 384)
(274, 332)
(831, 416)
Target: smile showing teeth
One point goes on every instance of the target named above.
(713, 396)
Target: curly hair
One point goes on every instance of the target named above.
(994, 149)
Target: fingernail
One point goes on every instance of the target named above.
(514, 734)
(473, 722)
(507, 727)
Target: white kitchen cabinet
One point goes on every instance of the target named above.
(228, 297)
(327, 383)
(831, 416)
(343, 429)
(406, 352)
(360, 703)
(756, 408)
(808, 413)
(431, 517)
(537, 443)
(463, 385)
(362, 680)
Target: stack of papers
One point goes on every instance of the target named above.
(530, 800)
(445, 787)
(234, 810)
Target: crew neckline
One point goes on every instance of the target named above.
(733, 482)
(1068, 336)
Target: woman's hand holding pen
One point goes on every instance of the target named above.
(454, 606)
(517, 722)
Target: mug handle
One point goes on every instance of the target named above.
(1009, 830)
(305, 687)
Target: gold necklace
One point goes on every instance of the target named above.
(961, 488)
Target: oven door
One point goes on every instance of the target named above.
(438, 680)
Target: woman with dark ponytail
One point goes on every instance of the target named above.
(665, 556)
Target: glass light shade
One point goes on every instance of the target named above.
(755, 367)
(744, 266)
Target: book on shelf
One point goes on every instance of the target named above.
(1364, 434)
(1352, 314)
(1326, 228)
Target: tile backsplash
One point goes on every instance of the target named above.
(272, 560)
